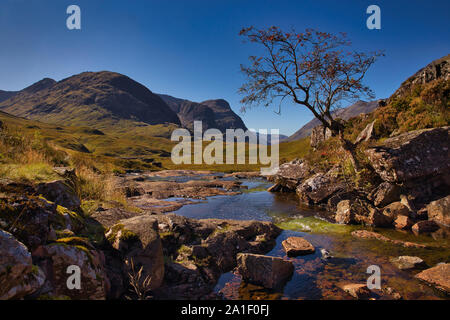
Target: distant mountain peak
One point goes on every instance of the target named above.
(215, 113)
(100, 99)
(353, 110)
(40, 85)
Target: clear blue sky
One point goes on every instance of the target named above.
(191, 48)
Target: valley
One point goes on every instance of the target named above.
(86, 178)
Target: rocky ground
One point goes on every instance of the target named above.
(412, 190)
(44, 231)
(412, 175)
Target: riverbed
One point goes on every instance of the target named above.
(339, 258)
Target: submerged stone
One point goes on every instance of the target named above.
(357, 290)
(297, 246)
(408, 262)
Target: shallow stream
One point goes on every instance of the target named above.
(316, 277)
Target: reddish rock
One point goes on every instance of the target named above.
(297, 246)
(395, 209)
(425, 227)
(394, 294)
(357, 290)
(403, 222)
(359, 212)
(437, 276)
(439, 211)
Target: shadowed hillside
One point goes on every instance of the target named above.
(214, 113)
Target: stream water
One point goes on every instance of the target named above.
(316, 277)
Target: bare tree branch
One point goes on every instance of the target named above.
(316, 69)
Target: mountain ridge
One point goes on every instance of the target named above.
(100, 99)
(214, 113)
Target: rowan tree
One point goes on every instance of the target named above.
(316, 70)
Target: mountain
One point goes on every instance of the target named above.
(345, 113)
(104, 100)
(213, 113)
(4, 95)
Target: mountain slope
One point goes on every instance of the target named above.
(104, 100)
(213, 113)
(5, 95)
(345, 113)
(437, 69)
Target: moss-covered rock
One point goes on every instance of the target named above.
(56, 258)
(33, 220)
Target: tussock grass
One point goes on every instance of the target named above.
(97, 186)
(33, 172)
(27, 156)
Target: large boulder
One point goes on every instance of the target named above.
(269, 272)
(18, 276)
(359, 211)
(59, 192)
(366, 134)
(385, 194)
(55, 259)
(395, 209)
(231, 237)
(320, 187)
(201, 250)
(413, 157)
(403, 222)
(291, 174)
(224, 246)
(111, 216)
(297, 246)
(318, 135)
(425, 227)
(138, 240)
(437, 276)
(439, 211)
